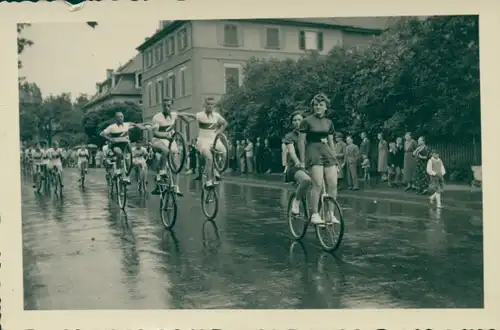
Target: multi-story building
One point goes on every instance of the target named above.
(190, 60)
(120, 85)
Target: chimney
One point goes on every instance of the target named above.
(164, 24)
(109, 73)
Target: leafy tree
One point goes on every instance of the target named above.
(94, 121)
(421, 75)
(49, 118)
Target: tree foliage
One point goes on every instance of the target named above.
(51, 117)
(421, 75)
(94, 121)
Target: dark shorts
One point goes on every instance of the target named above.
(319, 153)
(290, 173)
(437, 183)
(120, 145)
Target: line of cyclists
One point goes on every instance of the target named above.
(310, 146)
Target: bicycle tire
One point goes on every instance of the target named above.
(297, 235)
(166, 196)
(127, 160)
(121, 187)
(180, 142)
(340, 218)
(205, 194)
(222, 138)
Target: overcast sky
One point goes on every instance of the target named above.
(72, 57)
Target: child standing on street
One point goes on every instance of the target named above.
(435, 169)
(365, 165)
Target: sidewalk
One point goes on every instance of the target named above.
(457, 195)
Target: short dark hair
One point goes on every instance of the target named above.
(294, 114)
(209, 98)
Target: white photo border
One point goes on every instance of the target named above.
(11, 277)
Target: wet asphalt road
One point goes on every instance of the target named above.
(82, 252)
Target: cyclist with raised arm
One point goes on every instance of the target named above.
(163, 130)
(316, 152)
(118, 136)
(210, 123)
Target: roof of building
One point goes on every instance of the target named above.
(131, 67)
(353, 24)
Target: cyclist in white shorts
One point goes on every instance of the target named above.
(210, 123)
(56, 155)
(163, 129)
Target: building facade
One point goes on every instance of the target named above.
(120, 85)
(191, 60)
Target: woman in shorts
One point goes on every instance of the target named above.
(316, 147)
(294, 171)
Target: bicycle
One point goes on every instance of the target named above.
(56, 180)
(115, 179)
(141, 172)
(41, 177)
(327, 206)
(166, 184)
(82, 174)
(220, 163)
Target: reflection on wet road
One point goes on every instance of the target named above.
(82, 252)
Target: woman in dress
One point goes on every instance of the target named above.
(409, 161)
(399, 161)
(319, 155)
(383, 148)
(421, 154)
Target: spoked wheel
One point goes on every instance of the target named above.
(127, 159)
(331, 232)
(177, 153)
(121, 193)
(209, 202)
(220, 152)
(297, 223)
(168, 208)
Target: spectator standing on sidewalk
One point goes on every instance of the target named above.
(383, 149)
(421, 155)
(365, 147)
(233, 163)
(400, 158)
(240, 152)
(258, 156)
(409, 162)
(351, 159)
(392, 165)
(268, 158)
(340, 152)
(249, 152)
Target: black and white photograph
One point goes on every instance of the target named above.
(255, 163)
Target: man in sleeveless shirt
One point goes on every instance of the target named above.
(210, 123)
(163, 130)
(118, 136)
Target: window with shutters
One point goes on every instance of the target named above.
(182, 74)
(138, 80)
(148, 59)
(311, 40)
(159, 91)
(150, 93)
(272, 38)
(158, 54)
(230, 35)
(183, 39)
(171, 85)
(170, 46)
(232, 77)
